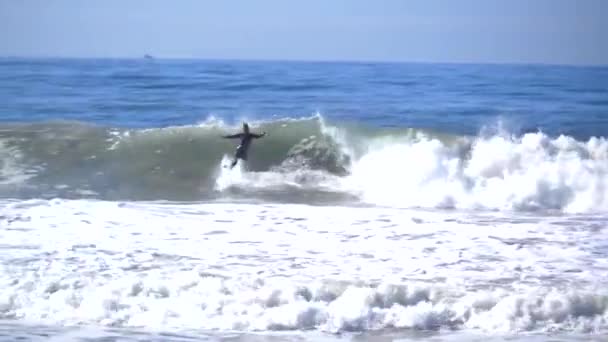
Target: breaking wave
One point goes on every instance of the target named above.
(307, 160)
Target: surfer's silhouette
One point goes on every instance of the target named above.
(241, 150)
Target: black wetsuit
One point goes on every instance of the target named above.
(241, 150)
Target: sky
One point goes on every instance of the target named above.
(463, 31)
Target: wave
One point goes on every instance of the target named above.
(72, 158)
(306, 159)
(531, 172)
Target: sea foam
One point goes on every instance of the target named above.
(280, 267)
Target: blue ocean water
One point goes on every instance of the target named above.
(454, 98)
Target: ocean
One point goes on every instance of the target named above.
(387, 202)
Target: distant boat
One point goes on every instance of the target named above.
(146, 56)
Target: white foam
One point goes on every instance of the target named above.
(283, 267)
(532, 172)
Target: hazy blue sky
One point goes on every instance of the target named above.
(538, 31)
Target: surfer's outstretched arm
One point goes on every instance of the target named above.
(232, 136)
(258, 135)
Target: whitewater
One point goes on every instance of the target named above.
(115, 229)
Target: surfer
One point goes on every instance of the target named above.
(241, 150)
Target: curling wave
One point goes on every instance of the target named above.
(74, 159)
(306, 160)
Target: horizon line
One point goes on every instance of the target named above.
(150, 57)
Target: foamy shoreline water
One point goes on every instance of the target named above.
(253, 268)
(18, 332)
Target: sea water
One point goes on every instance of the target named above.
(386, 202)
